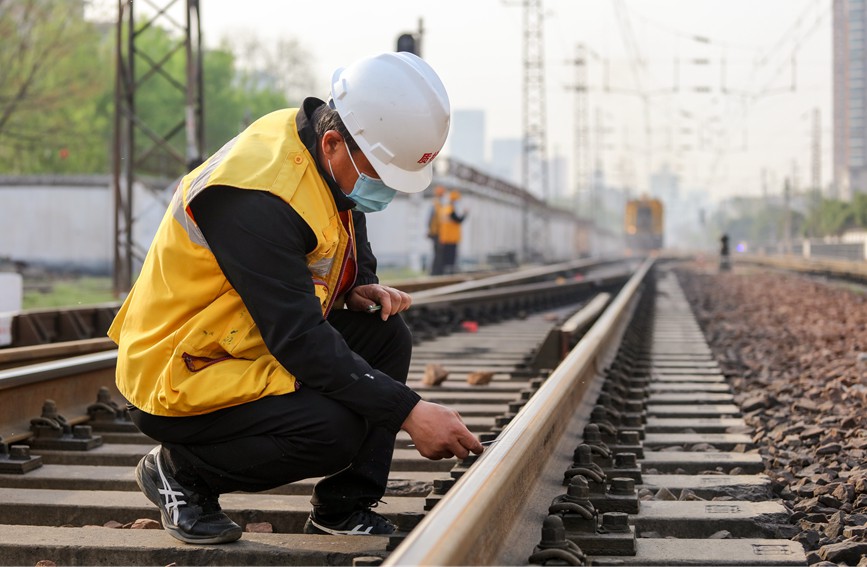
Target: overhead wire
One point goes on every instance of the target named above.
(762, 80)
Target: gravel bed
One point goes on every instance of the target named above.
(795, 353)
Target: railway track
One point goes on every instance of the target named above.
(640, 383)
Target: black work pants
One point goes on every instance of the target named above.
(277, 440)
(449, 254)
(436, 266)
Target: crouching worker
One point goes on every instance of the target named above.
(246, 347)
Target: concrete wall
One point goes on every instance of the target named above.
(68, 222)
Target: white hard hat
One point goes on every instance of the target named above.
(397, 110)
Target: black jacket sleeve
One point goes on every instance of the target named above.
(261, 243)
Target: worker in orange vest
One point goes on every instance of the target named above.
(450, 232)
(433, 230)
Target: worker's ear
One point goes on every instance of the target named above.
(330, 143)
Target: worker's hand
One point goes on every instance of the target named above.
(439, 432)
(393, 300)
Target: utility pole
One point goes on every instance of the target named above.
(816, 146)
(535, 134)
(412, 43)
(581, 151)
(597, 209)
(787, 217)
(130, 157)
(534, 155)
(638, 67)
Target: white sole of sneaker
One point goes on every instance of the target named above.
(148, 487)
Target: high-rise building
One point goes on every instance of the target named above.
(665, 184)
(506, 159)
(558, 178)
(850, 97)
(467, 137)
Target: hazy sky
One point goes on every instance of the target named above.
(765, 65)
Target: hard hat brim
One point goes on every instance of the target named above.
(401, 180)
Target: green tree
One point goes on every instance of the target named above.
(57, 81)
(246, 78)
(859, 210)
(829, 218)
(53, 80)
(761, 226)
(232, 96)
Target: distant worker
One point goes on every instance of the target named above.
(433, 230)
(450, 233)
(258, 347)
(724, 258)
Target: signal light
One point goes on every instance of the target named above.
(406, 42)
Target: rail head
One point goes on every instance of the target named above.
(456, 531)
(32, 373)
(515, 278)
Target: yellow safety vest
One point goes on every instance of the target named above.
(186, 343)
(450, 231)
(433, 229)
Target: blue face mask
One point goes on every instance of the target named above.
(370, 195)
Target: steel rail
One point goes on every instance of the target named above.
(833, 268)
(35, 353)
(43, 371)
(457, 530)
(29, 386)
(73, 325)
(502, 293)
(513, 278)
(32, 384)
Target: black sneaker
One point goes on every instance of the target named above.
(186, 515)
(361, 522)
